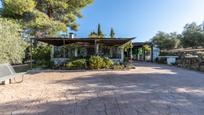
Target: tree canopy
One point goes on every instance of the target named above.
(12, 45)
(166, 41)
(99, 32)
(47, 16)
(147, 48)
(192, 36)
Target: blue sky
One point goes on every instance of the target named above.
(140, 18)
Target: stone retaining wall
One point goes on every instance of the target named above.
(189, 59)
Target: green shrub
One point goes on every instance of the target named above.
(118, 67)
(41, 52)
(129, 66)
(126, 59)
(41, 56)
(44, 63)
(12, 46)
(96, 62)
(108, 63)
(77, 64)
(50, 64)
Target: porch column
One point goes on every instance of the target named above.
(152, 53)
(111, 52)
(52, 52)
(131, 56)
(96, 49)
(64, 48)
(138, 56)
(144, 54)
(31, 56)
(122, 54)
(76, 52)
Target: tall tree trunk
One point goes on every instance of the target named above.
(49, 11)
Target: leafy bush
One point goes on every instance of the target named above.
(129, 66)
(41, 55)
(126, 59)
(44, 63)
(118, 67)
(123, 67)
(77, 64)
(41, 52)
(96, 62)
(108, 63)
(12, 46)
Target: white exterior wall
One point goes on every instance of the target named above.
(171, 60)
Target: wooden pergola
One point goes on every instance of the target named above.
(86, 42)
(92, 41)
(57, 41)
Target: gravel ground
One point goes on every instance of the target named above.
(149, 89)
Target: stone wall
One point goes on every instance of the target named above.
(190, 59)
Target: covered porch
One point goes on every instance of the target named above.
(64, 49)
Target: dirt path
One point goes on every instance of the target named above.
(147, 90)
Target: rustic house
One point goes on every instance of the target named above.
(64, 49)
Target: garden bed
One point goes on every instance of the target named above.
(96, 63)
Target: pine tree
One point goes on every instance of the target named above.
(112, 33)
(45, 15)
(99, 32)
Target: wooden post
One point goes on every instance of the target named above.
(111, 52)
(52, 52)
(137, 55)
(122, 54)
(152, 53)
(144, 54)
(31, 58)
(76, 52)
(96, 48)
(64, 55)
(131, 56)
